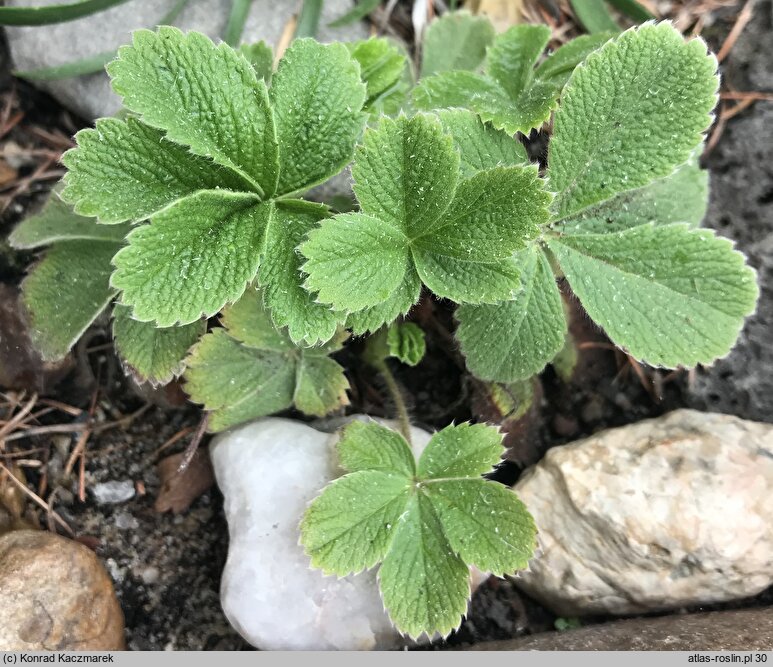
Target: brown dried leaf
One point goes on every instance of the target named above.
(180, 489)
(502, 13)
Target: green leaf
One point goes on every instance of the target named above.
(68, 11)
(406, 342)
(513, 96)
(307, 24)
(194, 257)
(405, 172)
(480, 146)
(261, 56)
(424, 586)
(514, 54)
(151, 354)
(426, 525)
(670, 296)
(633, 10)
(359, 12)
(349, 527)
(227, 118)
(516, 339)
(125, 170)
(465, 450)
(317, 98)
(680, 197)
(560, 64)
(397, 304)
(237, 383)
(381, 65)
(485, 524)
(236, 20)
(633, 113)
(65, 292)
(255, 370)
(466, 255)
(370, 446)
(355, 261)
(456, 41)
(459, 89)
(57, 222)
(280, 274)
(594, 15)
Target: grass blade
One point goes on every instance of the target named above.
(238, 17)
(633, 10)
(308, 19)
(594, 16)
(363, 8)
(54, 13)
(89, 64)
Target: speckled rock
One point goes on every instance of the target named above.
(748, 630)
(268, 472)
(656, 515)
(55, 596)
(90, 96)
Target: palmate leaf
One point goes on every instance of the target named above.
(648, 95)
(516, 339)
(415, 219)
(151, 354)
(251, 369)
(512, 94)
(668, 295)
(425, 524)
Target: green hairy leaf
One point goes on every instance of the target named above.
(416, 220)
(382, 69)
(668, 295)
(456, 41)
(650, 95)
(66, 291)
(261, 56)
(406, 342)
(521, 336)
(512, 94)
(153, 355)
(425, 523)
(251, 369)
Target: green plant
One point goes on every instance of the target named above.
(197, 211)
(425, 522)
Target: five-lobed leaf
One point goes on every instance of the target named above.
(416, 219)
(417, 520)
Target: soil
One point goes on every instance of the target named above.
(167, 568)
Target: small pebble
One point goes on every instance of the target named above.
(114, 491)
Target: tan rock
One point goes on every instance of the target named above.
(656, 515)
(55, 595)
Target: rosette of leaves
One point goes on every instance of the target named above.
(424, 522)
(513, 93)
(213, 158)
(621, 229)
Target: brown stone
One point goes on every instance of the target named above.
(55, 595)
(748, 630)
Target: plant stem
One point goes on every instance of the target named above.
(402, 411)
